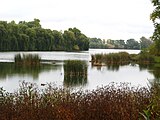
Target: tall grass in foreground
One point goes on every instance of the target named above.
(27, 59)
(152, 111)
(111, 102)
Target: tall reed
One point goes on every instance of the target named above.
(75, 67)
(27, 59)
(75, 72)
(124, 58)
(111, 58)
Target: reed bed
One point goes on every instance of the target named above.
(123, 58)
(75, 67)
(27, 59)
(75, 73)
(111, 102)
(111, 58)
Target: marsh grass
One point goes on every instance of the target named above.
(75, 72)
(75, 67)
(27, 59)
(111, 58)
(123, 58)
(111, 102)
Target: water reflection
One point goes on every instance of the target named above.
(10, 69)
(70, 81)
(152, 68)
(110, 67)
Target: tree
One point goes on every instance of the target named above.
(81, 41)
(96, 43)
(69, 38)
(145, 43)
(23, 42)
(58, 43)
(155, 17)
(120, 44)
(31, 36)
(132, 44)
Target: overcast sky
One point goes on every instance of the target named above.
(105, 19)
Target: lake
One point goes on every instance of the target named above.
(48, 72)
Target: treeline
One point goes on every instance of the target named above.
(120, 44)
(30, 36)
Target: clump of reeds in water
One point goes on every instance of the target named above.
(111, 102)
(75, 67)
(75, 72)
(122, 58)
(27, 59)
(111, 58)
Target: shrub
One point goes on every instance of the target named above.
(145, 57)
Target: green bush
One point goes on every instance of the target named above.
(145, 57)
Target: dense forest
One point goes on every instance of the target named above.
(30, 36)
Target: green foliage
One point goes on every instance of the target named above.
(145, 43)
(117, 44)
(157, 59)
(30, 36)
(75, 40)
(152, 111)
(120, 44)
(132, 44)
(155, 17)
(145, 57)
(97, 43)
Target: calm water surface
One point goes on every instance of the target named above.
(11, 75)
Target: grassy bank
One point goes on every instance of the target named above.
(112, 102)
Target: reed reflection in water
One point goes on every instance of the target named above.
(11, 69)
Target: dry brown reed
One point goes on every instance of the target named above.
(111, 102)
